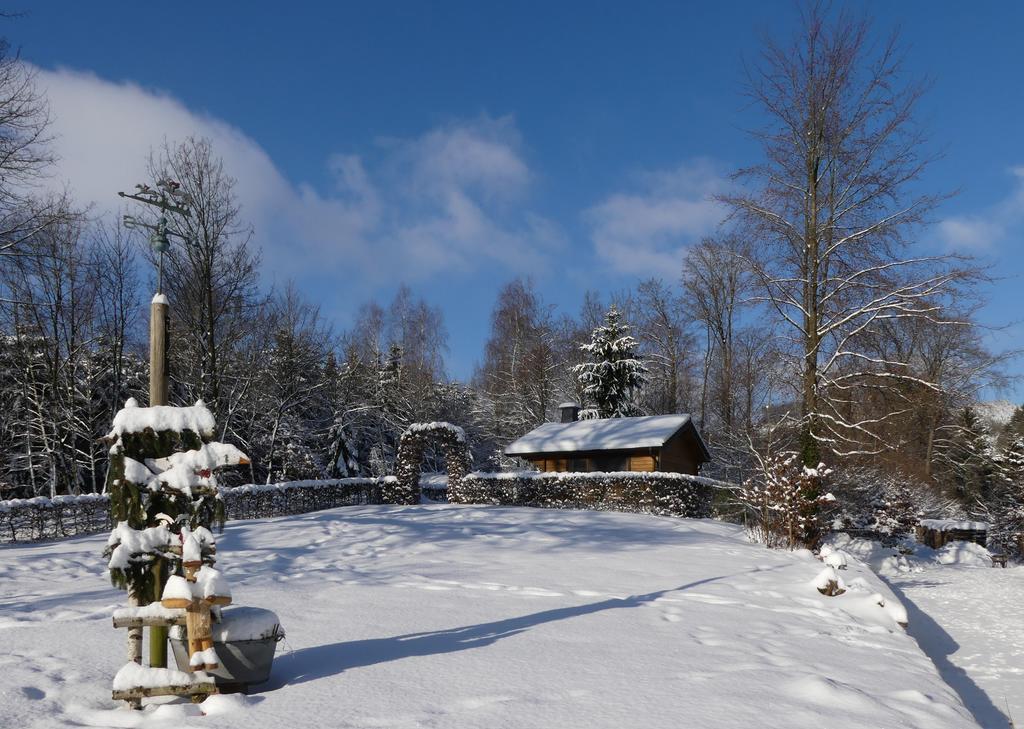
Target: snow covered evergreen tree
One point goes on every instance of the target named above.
(971, 468)
(615, 372)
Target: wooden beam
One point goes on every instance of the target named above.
(192, 689)
(147, 622)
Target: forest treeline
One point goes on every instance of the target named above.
(820, 319)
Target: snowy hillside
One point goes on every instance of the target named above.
(995, 413)
(443, 616)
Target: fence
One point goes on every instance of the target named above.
(28, 520)
(667, 494)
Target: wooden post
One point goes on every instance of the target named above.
(158, 350)
(158, 396)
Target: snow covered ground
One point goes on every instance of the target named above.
(449, 616)
(967, 617)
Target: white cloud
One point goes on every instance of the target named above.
(983, 231)
(452, 198)
(645, 231)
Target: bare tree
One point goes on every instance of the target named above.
(212, 277)
(291, 381)
(661, 328)
(834, 210)
(521, 367)
(717, 282)
(25, 154)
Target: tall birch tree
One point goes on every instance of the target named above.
(834, 209)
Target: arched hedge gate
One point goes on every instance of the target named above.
(409, 460)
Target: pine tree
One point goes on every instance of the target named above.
(968, 462)
(1013, 429)
(615, 371)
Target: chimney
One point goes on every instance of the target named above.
(570, 412)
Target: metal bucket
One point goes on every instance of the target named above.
(244, 660)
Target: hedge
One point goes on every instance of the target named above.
(665, 494)
(27, 520)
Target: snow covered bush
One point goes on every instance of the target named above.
(882, 504)
(666, 494)
(784, 502)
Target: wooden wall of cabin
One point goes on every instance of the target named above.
(585, 463)
(680, 455)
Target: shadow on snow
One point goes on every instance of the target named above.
(322, 661)
(939, 645)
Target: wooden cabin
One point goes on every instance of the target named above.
(652, 443)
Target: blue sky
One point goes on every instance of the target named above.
(454, 146)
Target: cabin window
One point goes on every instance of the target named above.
(580, 465)
(612, 463)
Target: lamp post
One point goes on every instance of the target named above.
(167, 196)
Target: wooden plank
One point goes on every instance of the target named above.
(192, 689)
(641, 463)
(147, 622)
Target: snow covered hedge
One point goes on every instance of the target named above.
(27, 520)
(258, 501)
(665, 494)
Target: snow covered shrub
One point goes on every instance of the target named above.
(784, 502)
(886, 505)
(666, 494)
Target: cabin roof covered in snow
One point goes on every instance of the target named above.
(605, 434)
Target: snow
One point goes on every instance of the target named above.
(204, 658)
(132, 675)
(177, 588)
(459, 433)
(153, 610)
(965, 615)
(209, 457)
(603, 434)
(191, 549)
(211, 583)
(246, 623)
(134, 419)
(135, 544)
(827, 576)
(469, 616)
(159, 299)
(282, 486)
(995, 413)
(42, 502)
(949, 525)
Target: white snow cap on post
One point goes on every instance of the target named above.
(210, 583)
(177, 588)
(191, 550)
(159, 299)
